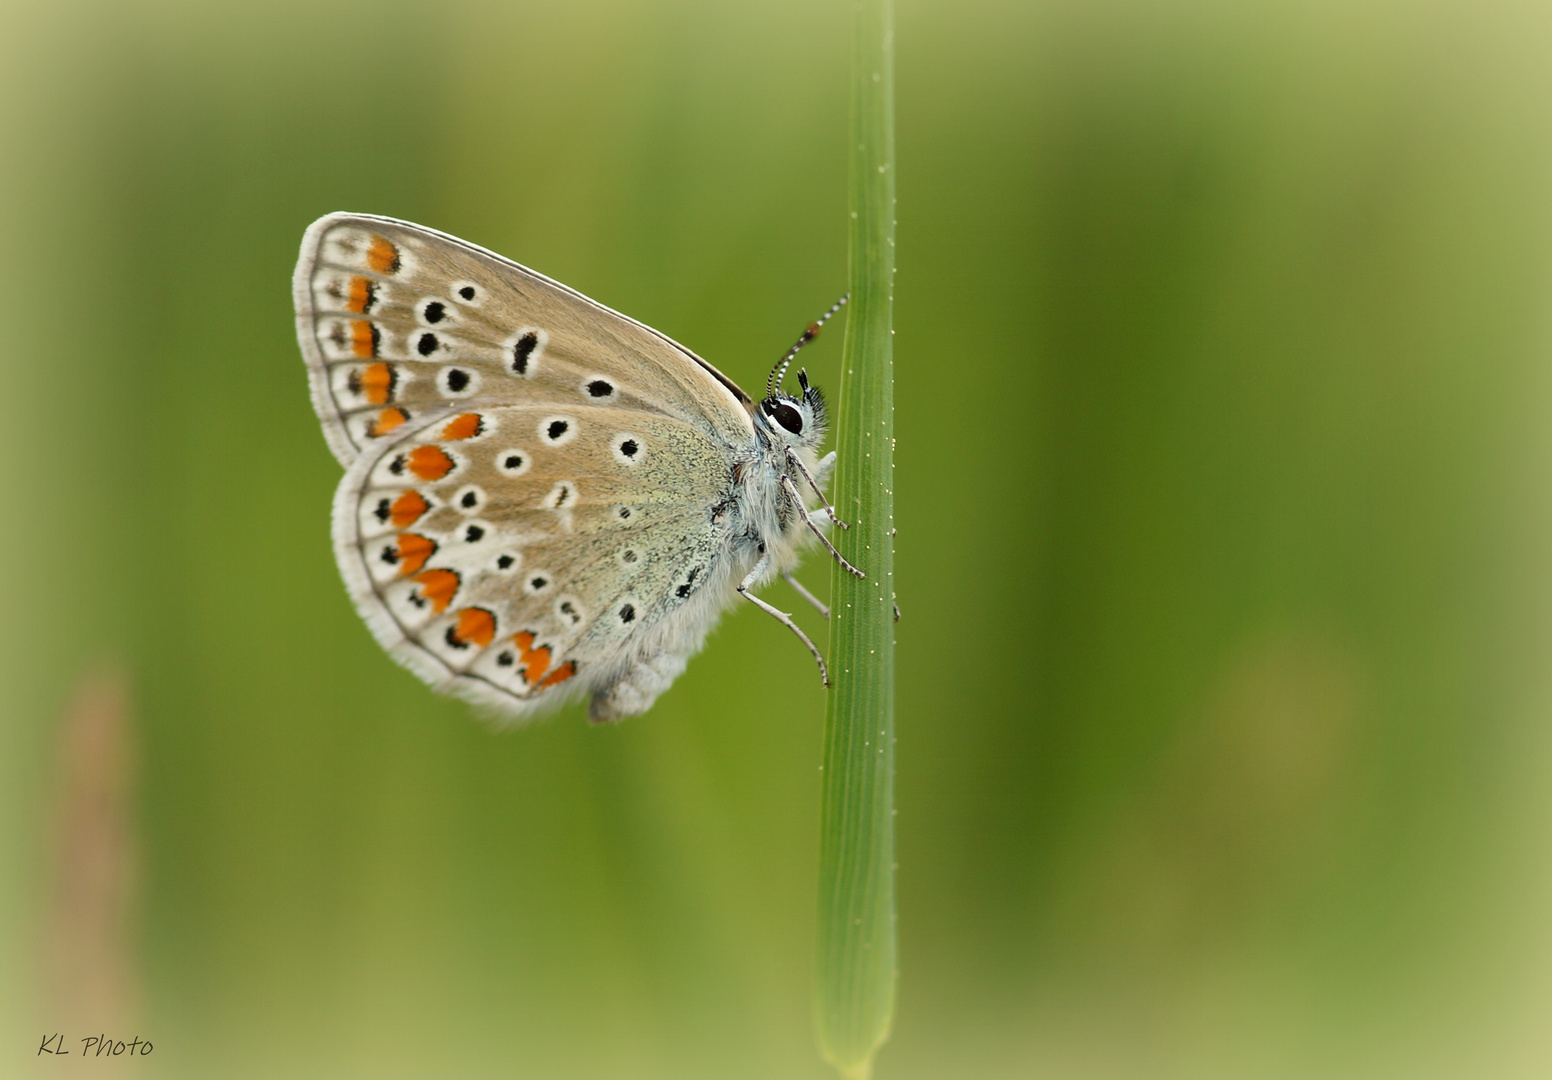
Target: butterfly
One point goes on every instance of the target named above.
(542, 499)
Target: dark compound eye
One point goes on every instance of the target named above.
(788, 417)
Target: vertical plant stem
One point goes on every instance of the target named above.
(855, 976)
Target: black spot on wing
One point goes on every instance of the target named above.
(523, 350)
(688, 586)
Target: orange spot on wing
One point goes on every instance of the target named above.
(438, 586)
(534, 661)
(364, 338)
(430, 462)
(377, 382)
(382, 256)
(476, 626)
(559, 675)
(466, 426)
(414, 550)
(407, 508)
(386, 421)
(363, 292)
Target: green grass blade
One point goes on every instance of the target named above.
(855, 977)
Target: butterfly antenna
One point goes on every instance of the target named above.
(779, 372)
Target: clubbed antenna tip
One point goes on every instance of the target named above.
(779, 372)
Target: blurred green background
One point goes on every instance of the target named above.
(1224, 473)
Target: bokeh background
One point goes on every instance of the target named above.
(1224, 475)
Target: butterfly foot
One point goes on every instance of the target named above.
(825, 467)
(797, 500)
(781, 616)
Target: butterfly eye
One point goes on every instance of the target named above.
(789, 418)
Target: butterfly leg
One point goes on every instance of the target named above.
(781, 616)
(793, 458)
(797, 500)
(797, 587)
(826, 469)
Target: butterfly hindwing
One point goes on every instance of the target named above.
(397, 321)
(519, 553)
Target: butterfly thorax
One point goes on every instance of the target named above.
(785, 427)
(764, 517)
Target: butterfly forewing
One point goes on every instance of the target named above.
(398, 322)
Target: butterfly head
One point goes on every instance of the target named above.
(795, 421)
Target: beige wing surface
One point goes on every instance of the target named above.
(397, 321)
(518, 554)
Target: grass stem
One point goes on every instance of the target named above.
(855, 972)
